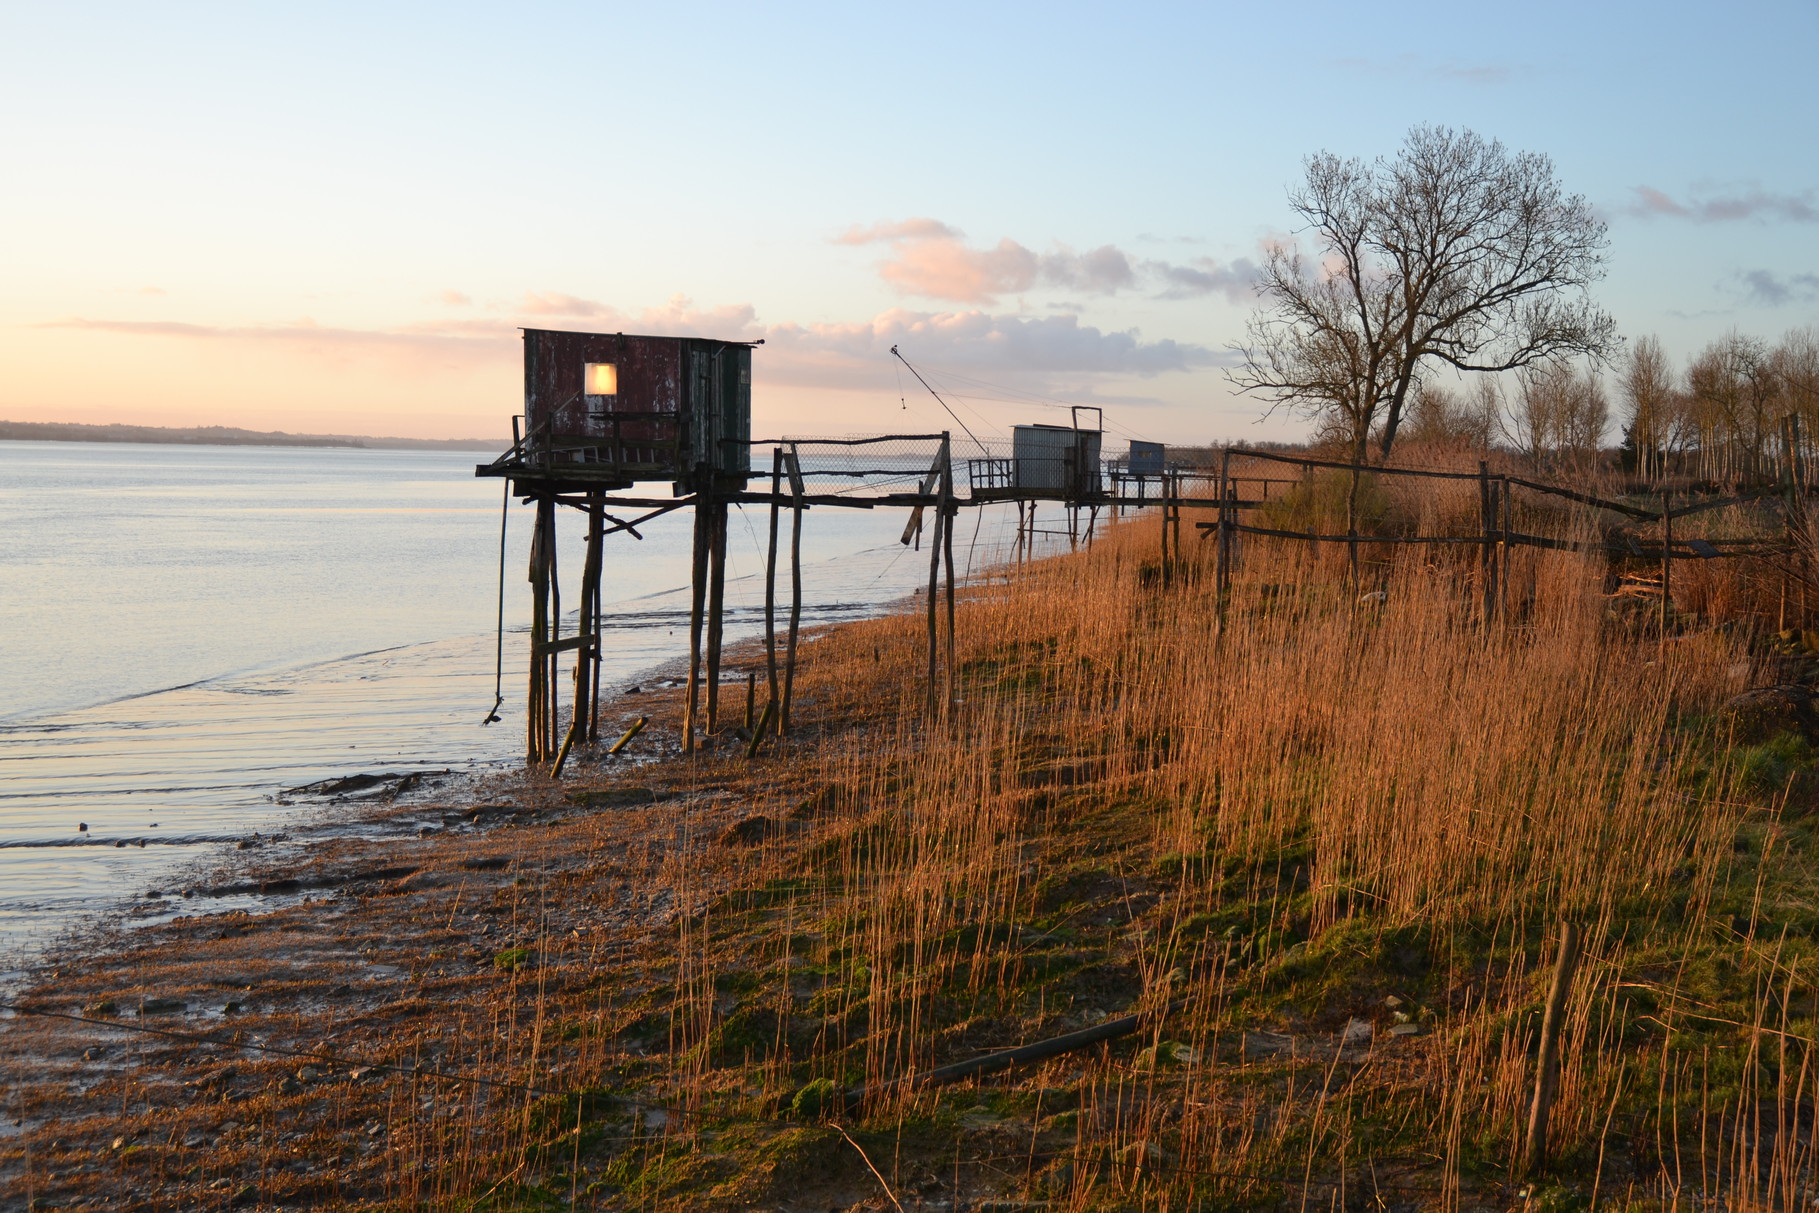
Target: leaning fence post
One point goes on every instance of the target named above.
(1547, 1067)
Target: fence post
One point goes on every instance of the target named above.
(1487, 552)
(1547, 1065)
(1503, 544)
(1222, 578)
(1667, 561)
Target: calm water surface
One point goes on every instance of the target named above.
(186, 631)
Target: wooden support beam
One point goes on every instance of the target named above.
(770, 580)
(716, 611)
(568, 644)
(794, 467)
(696, 606)
(934, 589)
(535, 700)
(552, 690)
(948, 513)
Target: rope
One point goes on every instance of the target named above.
(492, 716)
(943, 403)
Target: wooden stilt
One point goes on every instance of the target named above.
(552, 689)
(716, 612)
(934, 587)
(587, 657)
(535, 700)
(770, 579)
(949, 511)
(598, 628)
(696, 606)
(794, 467)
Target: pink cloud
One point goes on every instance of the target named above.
(554, 303)
(907, 229)
(943, 268)
(1651, 203)
(931, 259)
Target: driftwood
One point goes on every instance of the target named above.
(1004, 1059)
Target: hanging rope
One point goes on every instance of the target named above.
(941, 402)
(492, 716)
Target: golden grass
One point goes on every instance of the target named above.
(1333, 811)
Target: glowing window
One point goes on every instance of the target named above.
(601, 378)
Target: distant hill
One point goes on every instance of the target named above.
(222, 435)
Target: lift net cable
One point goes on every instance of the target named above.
(943, 403)
(505, 505)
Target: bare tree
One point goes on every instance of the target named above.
(1734, 389)
(1653, 407)
(1456, 253)
(1441, 416)
(1558, 411)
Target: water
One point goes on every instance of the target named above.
(186, 631)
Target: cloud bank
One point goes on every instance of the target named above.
(1757, 204)
(1054, 349)
(931, 259)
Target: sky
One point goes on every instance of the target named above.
(334, 217)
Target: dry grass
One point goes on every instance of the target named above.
(1326, 817)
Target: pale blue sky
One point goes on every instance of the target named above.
(330, 217)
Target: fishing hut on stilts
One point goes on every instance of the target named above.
(610, 416)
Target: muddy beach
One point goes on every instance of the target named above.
(329, 1018)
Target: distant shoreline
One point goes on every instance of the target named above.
(222, 435)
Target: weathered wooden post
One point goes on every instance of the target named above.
(1168, 497)
(1229, 510)
(716, 610)
(1503, 544)
(770, 578)
(1547, 1063)
(552, 657)
(950, 511)
(1487, 552)
(587, 664)
(535, 698)
(1667, 561)
(1222, 553)
(696, 606)
(933, 483)
(793, 465)
(597, 650)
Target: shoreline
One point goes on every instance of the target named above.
(339, 968)
(219, 435)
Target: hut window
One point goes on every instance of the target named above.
(601, 378)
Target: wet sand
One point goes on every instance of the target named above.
(437, 932)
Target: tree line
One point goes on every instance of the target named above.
(1734, 412)
(1460, 261)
